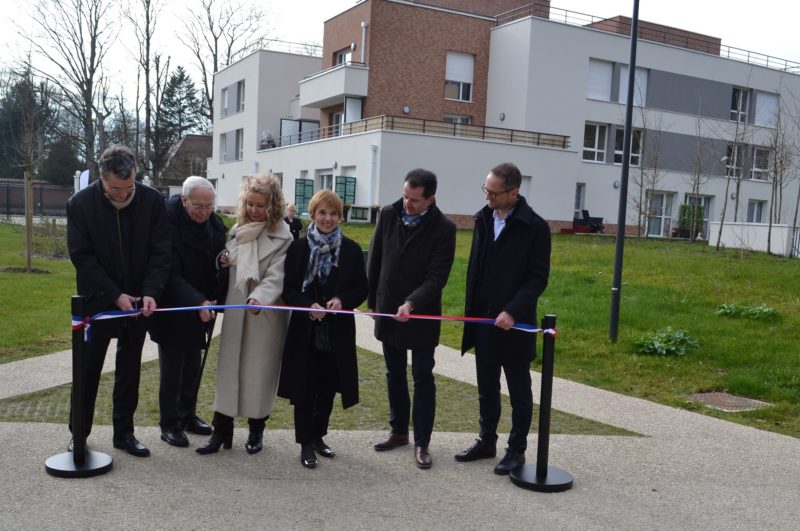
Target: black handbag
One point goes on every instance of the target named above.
(222, 278)
(322, 335)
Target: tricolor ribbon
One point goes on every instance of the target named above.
(85, 322)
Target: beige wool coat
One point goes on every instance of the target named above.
(251, 346)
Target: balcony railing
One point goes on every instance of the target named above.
(426, 127)
(653, 33)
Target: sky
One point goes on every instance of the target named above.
(767, 26)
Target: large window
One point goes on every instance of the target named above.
(594, 143)
(639, 86)
(325, 181)
(457, 119)
(636, 146)
(740, 103)
(240, 144)
(733, 160)
(337, 118)
(705, 202)
(766, 109)
(760, 171)
(225, 102)
(659, 214)
(233, 98)
(240, 96)
(599, 84)
(303, 192)
(346, 189)
(458, 76)
(223, 147)
(755, 211)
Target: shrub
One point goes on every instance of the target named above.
(755, 312)
(665, 342)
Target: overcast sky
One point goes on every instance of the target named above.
(765, 26)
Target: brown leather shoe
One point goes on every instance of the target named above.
(394, 440)
(422, 457)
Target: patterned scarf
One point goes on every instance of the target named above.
(412, 220)
(324, 254)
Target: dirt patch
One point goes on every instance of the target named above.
(24, 270)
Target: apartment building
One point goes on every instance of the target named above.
(457, 86)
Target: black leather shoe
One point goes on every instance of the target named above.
(393, 441)
(254, 443)
(197, 426)
(307, 456)
(323, 449)
(175, 438)
(129, 443)
(480, 450)
(513, 459)
(422, 457)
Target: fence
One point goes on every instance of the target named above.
(48, 199)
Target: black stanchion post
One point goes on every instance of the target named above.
(541, 477)
(80, 463)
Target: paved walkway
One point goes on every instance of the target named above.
(688, 471)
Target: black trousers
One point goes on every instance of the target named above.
(126, 376)
(516, 366)
(424, 402)
(312, 409)
(180, 369)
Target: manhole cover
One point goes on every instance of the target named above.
(728, 402)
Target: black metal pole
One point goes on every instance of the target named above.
(616, 286)
(541, 477)
(80, 463)
(209, 337)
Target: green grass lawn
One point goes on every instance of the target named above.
(665, 283)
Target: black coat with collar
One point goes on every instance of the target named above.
(348, 282)
(118, 251)
(193, 278)
(516, 270)
(410, 265)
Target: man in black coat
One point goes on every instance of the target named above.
(410, 258)
(508, 269)
(118, 240)
(198, 236)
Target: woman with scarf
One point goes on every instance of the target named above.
(251, 346)
(324, 270)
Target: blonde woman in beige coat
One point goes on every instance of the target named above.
(251, 346)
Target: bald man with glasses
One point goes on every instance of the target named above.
(508, 269)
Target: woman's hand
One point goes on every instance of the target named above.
(317, 316)
(254, 302)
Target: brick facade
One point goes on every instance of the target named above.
(650, 31)
(488, 7)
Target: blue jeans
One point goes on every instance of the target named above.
(424, 402)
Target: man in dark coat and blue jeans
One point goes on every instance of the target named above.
(508, 269)
(410, 258)
(198, 236)
(118, 240)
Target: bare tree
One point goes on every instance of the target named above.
(72, 36)
(143, 16)
(649, 172)
(218, 33)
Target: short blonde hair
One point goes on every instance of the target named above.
(269, 187)
(291, 206)
(326, 198)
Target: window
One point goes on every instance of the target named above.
(740, 103)
(760, 171)
(303, 192)
(766, 109)
(580, 197)
(594, 143)
(225, 102)
(639, 86)
(755, 210)
(346, 189)
(358, 214)
(223, 147)
(336, 123)
(456, 119)
(343, 56)
(240, 96)
(239, 144)
(705, 202)
(659, 214)
(636, 146)
(733, 160)
(599, 85)
(325, 181)
(458, 76)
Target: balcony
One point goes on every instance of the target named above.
(330, 86)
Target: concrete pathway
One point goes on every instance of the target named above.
(688, 471)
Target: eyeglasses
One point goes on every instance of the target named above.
(201, 206)
(113, 188)
(494, 195)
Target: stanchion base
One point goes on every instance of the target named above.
(63, 465)
(557, 480)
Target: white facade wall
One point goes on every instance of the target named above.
(538, 77)
(752, 236)
(271, 83)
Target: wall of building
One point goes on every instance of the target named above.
(488, 7)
